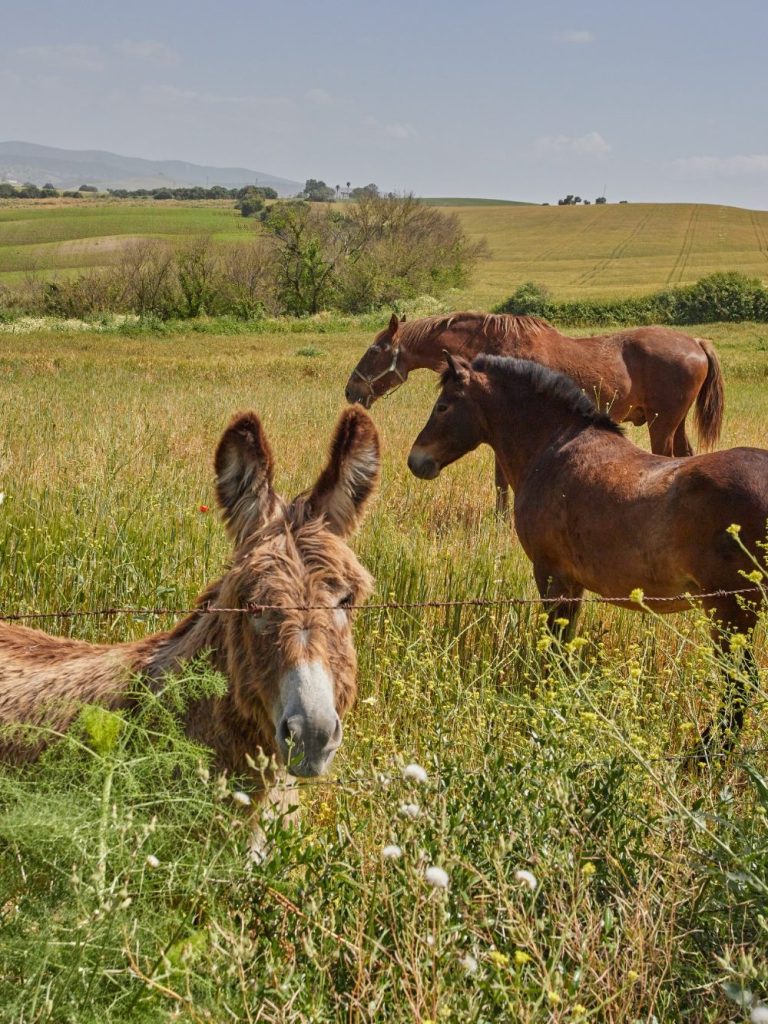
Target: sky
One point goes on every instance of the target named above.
(653, 101)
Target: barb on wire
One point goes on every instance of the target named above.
(472, 602)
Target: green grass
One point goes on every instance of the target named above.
(651, 877)
(578, 251)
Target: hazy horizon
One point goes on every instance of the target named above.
(660, 104)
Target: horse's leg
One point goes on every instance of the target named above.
(502, 492)
(662, 430)
(552, 586)
(681, 446)
(731, 625)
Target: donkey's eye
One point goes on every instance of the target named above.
(441, 407)
(347, 601)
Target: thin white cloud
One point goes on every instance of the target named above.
(591, 144)
(319, 96)
(397, 131)
(149, 50)
(576, 37)
(722, 166)
(68, 57)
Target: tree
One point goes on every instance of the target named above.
(365, 190)
(317, 191)
(310, 245)
(600, 200)
(87, 188)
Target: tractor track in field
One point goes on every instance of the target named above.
(678, 268)
(616, 253)
(554, 249)
(760, 233)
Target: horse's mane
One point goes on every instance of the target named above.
(495, 326)
(546, 382)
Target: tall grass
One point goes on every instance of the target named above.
(126, 892)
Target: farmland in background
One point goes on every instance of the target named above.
(578, 251)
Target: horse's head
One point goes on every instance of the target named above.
(453, 428)
(289, 654)
(380, 370)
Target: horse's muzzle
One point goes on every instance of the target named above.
(357, 397)
(422, 465)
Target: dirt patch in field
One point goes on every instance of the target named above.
(102, 244)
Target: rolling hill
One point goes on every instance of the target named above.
(593, 251)
(70, 168)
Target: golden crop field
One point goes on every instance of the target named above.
(578, 251)
(595, 872)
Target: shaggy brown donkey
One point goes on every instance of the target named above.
(593, 511)
(647, 375)
(287, 654)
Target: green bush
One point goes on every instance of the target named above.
(728, 297)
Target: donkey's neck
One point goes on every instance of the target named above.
(201, 631)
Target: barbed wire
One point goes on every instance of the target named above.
(472, 602)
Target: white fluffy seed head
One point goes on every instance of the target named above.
(409, 810)
(241, 798)
(436, 877)
(152, 861)
(392, 852)
(526, 878)
(414, 773)
(469, 963)
(759, 1014)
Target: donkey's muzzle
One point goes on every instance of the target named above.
(308, 729)
(422, 465)
(306, 745)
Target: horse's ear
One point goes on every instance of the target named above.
(457, 368)
(244, 468)
(394, 323)
(351, 475)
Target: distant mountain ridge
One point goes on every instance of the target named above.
(71, 168)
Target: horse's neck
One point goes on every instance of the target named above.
(519, 431)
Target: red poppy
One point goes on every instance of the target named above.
(205, 508)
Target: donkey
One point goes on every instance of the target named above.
(286, 650)
(647, 375)
(593, 511)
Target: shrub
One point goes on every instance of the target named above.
(725, 297)
(530, 299)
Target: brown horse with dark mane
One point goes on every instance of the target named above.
(593, 511)
(647, 375)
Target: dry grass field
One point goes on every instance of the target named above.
(650, 896)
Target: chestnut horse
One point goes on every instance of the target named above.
(593, 511)
(286, 651)
(645, 375)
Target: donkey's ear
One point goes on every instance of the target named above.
(244, 467)
(402, 319)
(394, 323)
(458, 368)
(351, 475)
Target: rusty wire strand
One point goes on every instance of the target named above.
(477, 602)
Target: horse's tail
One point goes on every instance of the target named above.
(710, 401)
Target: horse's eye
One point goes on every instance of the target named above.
(441, 407)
